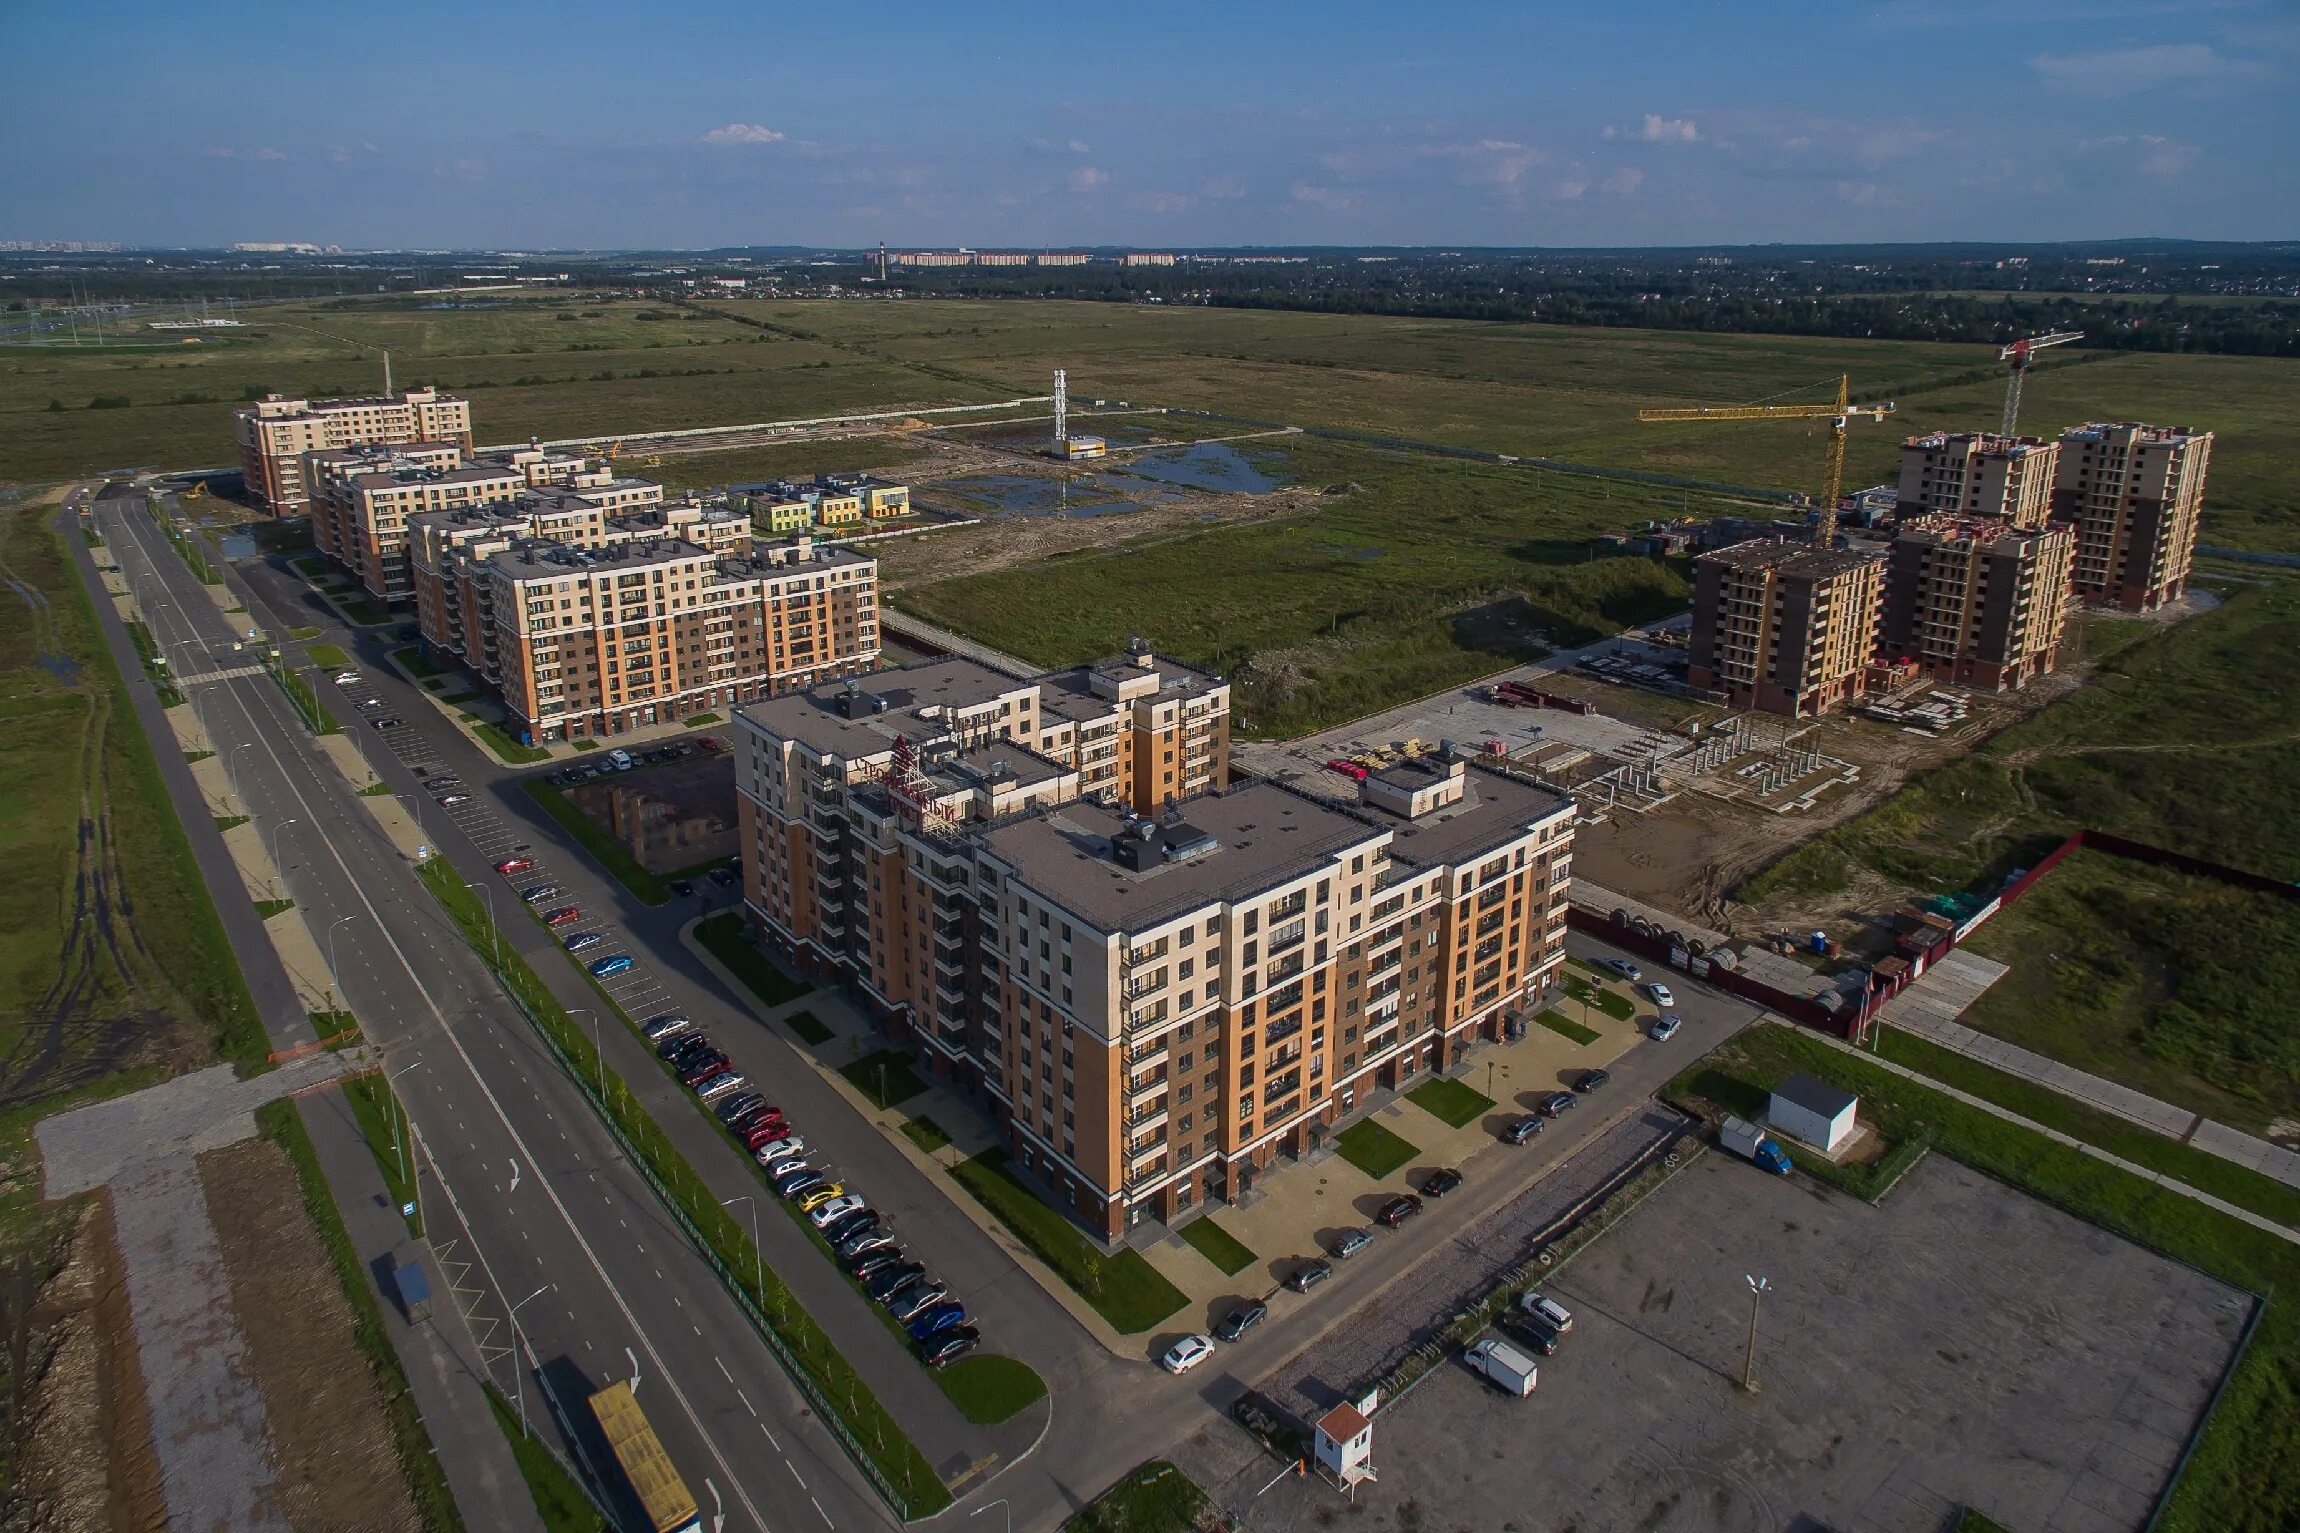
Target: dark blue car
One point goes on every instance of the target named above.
(937, 1320)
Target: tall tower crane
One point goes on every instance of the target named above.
(1836, 413)
(2017, 357)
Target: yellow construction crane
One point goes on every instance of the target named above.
(1836, 414)
(2017, 356)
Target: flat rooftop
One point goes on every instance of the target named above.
(1264, 835)
(1783, 557)
(814, 718)
(1494, 809)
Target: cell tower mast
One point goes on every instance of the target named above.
(1061, 407)
(387, 375)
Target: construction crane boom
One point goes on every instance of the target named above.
(1836, 413)
(2016, 356)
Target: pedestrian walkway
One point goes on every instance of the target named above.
(1929, 1009)
(2169, 1184)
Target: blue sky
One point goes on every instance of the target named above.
(1628, 122)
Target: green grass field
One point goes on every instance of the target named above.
(1124, 1289)
(885, 1077)
(1373, 1149)
(1449, 1101)
(1557, 1023)
(1217, 1245)
(1156, 1498)
(726, 939)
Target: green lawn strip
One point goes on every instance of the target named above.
(299, 690)
(1373, 1149)
(507, 750)
(2246, 1188)
(1124, 1289)
(1587, 966)
(924, 1132)
(885, 1077)
(459, 699)
(373, 1108)
(1557, 1023)
(1217, 1245)
(329, 655)
(1156, 1498)
(376, 790)
(301, 634)
(586, 745)
(361, 612)
(701, 719)
(725, 938)
(988, 1388)
(1612, 1003)
(808, 1026)
(194, 758)
(1970, 1521)
(418, 1460)
(417, 663)
(604, 849)
(2222, 1489)
(559, 1498)
(266, 909)
(229, 822)
(1449, 1101)
(807, 1348)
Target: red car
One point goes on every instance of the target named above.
(761, 1134)
(712, 743)
(1347, 768)
(702, 1068)
(511, 865)
(563, 915)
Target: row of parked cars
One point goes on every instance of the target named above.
(936, 1322)
(626, 760)
(1536, 1323)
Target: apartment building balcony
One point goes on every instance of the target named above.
(1142, 1092)
(1148, 1056)
(1288, 936)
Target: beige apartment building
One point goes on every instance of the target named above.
(1155, 1007)
(1978, 473)
(2132, 494)
(1977, 600)
(1785, 627)
(275, 432)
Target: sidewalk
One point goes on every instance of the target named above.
(1929, 1010)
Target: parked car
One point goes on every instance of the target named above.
(563, 915)
(949, 1346)
(1309, 1275)
(827, 1212)
(608, 968)
(885, 1283)
(1624, 968)
(684, 1046)
(779, 1150)
(702, 1067)
(682, 888)
(344, 678)
(761, 1132)
(1441, 1182)
(740, 1109)
(871, 1257)
(711, 743)
(388, 721)
(1241, 1320)
(368, 702)
(722, 877)
(1186, 1354)
(1665, 1027)
(1523, 1129)
(1399, 1209)
(1662, 995)
(1557, 1103)
(1531, 1331)
(1590, 1080)
(450, 800)
(719, 1085)
(1555, 1314)
(1349, 1243)
(918, 1299)
(803, 1180)
(816, 1196)
(533, 894)
(670, 1022)
(851, 1226)
(440, 782)
(935, 1319)
(511, 865)
(578, 941)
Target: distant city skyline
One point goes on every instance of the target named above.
(1636, 124)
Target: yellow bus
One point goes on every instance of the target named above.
(669, 1505)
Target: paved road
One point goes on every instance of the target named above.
(556, 1222)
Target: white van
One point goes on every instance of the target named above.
(621, 760)
(1503, 1366)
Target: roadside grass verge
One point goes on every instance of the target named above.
(360, 611)
(988, 1388)
(299, 635)
(559, 1497)
(924, 1132)
(885, 1077)
(1612, 1003)
(725, 938)
(266, 909)
(329, 655)
(808, 1026)
(188, 544)
(604, 849)
(806, 1349)
(194, 758)
(226, 823)
(418, 664)
(1558, 1023)
(418, 1460)
(2249, 1189)
(298, 687)
(1156, 1498)
(700, 720)
(1373, 1149)
(375, 1109)
(1450, 1101)
(1124, 1289)
(507, 750)
(1217, 1245)
(2258, 1418)
(376, 790)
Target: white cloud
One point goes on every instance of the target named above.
(220, 154)
(1858, 193)
(269, 154)
(1223, 188)
(1491, 161)
(2164, 157)
(2127, 71)
(1086, 178)
(1657, 129)
(1059, 146)
(1624, 182)
(1332, 199)
(742, 133)
(1573, 188)
(1162, 202)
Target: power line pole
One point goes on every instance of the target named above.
(1758, 1288)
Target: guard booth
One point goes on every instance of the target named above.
(1343, 1446)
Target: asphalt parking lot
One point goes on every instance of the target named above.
(1963, 1344)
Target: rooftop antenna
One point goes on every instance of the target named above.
(1061, 407)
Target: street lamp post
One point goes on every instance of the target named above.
(231, 770)
(598, 1057)
(278, 872)
(518, 1372)
(334, 975)
(758, 1257)
(399, 1140)
(1758, 1288)
(494, 931)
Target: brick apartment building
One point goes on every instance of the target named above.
(362, 498)
(2131, 493)
(275, 432)
(1977, 473)
(1784, 627)
(1977, 600)
(1156, 1007)
(594, 624)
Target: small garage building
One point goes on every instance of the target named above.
(1814, 1112)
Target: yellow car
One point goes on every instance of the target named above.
(817, 1197)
